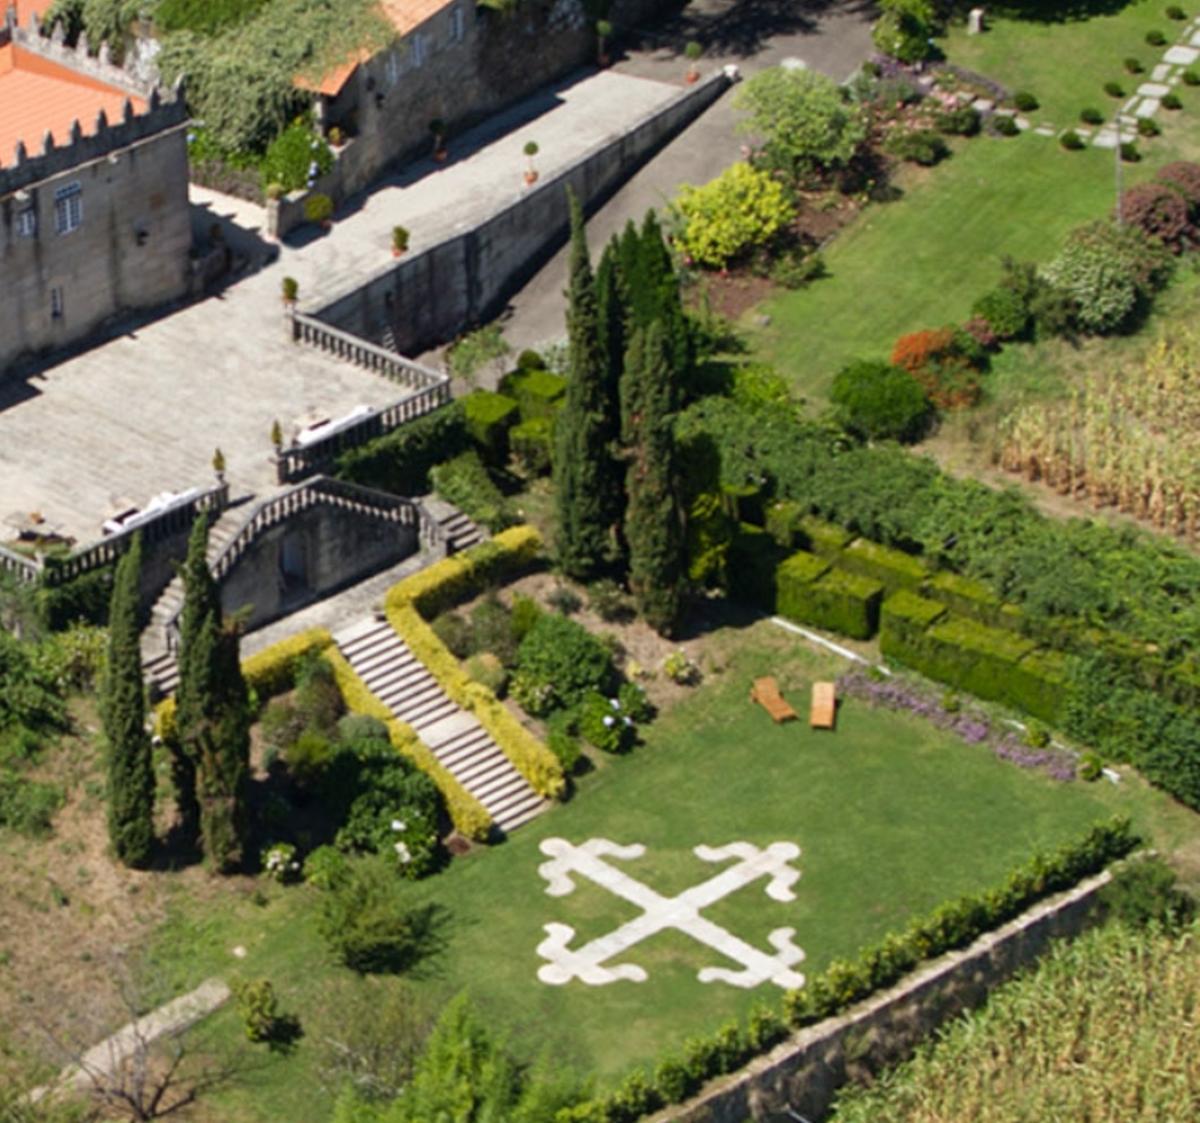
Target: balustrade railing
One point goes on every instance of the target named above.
(346, 345)
(26, 570)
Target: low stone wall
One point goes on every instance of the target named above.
(805, 1072)
(433, 295)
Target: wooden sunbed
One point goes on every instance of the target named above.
(765, 692)
(824, 706)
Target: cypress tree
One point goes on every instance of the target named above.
(612, 312)
(666, 301)
(654, 525)
(587, 496)
(123, 714)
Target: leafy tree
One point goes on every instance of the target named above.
(904, 29)
(587, 498)
(741, 209)
(878, 401)
(805, 124)
(123, 711)
(654, 517)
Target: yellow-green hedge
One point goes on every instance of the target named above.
(428, 592)
(466, 812)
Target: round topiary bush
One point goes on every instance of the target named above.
(1091, 116)
(1171, 101)
(877, 401)
(1191, 77)
(1114, 89)
(1129, 152)
(1174, 11)
(920, 146)
(1156, 38)
(1025, 101)
(1147, 126)
(1071, 140)
(1003, 125)
(1134, 66)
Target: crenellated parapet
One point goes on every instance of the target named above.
(165, 109)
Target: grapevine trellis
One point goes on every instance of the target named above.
(1128, 439)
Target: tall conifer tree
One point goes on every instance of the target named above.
(586, 488)
(654, 525)
(123, 713)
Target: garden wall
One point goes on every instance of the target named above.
(805, 1072)
(475, 272)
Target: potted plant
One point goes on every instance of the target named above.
(399, 240)
(218, 463)
(291, 289)
(438, 128)
(277, 434)
(604, 31)
(336, 137)
(531, 150)
(318, 208)
(692, 53)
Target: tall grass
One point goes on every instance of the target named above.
(1102, 1031)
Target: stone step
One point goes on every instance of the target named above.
(501, 807)
(493, 790)
(477, 768)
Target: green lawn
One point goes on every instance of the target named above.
(892, 817)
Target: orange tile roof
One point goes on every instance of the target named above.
(403, 15)
(37, 94)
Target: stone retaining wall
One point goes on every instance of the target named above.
(432, 296)
(805, 1072)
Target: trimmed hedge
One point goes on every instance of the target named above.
(846, 603)
(1038, 685)
(538, 393)
(972, 598)
(751, 562)
(468, 815)
(903, 618)
(489, 416)
(399, 461)
(793, 577)
(83, 598)
(894, 569)
(783, 522)
(419, 598)
(532, 443)
(952, 925)
(823, 538)
(465, 482)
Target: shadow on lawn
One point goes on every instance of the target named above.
(1048, 11)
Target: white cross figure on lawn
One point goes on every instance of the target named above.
(587, 963)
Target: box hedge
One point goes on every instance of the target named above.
(399, 461)
(783, 522)
(538, 393)
(893, 569)
(793, 576)
(903, 620)
(971, 657)
(532, 443)
(751, 562)
(489, 416)
(845, 603)
(972, 598)
(827, 540)
(1038, 685)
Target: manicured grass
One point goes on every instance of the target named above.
(1065, 63)
(892, 817)
(923, 260)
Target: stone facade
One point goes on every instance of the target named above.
(91, 225)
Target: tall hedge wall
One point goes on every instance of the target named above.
(400, 461)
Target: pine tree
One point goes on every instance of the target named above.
(212, 716)
(123, 713)
(654, 525)
(586, 487)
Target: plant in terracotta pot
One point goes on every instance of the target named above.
(604, 31)
(218, 464)
(437, 128)
(319, 208)
(277, 434)
(291, 289)
(399, 240)
(531, 150)
(692, 53)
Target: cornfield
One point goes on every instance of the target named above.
(1128, 439)
(1104, 1030)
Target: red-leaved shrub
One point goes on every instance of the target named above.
(1158, 210)
(940, 360)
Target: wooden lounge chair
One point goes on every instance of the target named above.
(765, 692)
(824, 706)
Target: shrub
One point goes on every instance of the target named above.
(325, 867)
(564, 746)
(465, 482)
(318, 207)
(308, 757)
(1004, 125)
(1134, 66)
(680, 669)
(367, 924)
(1184, 178)
(558, 663)
(1156, 38)
(318, 701)
(486, 669)
(1071, 141)
(1091, 116)
(877, 401)
(796, 268)
(453, 629)
(609, 601)
(905, 29)
(1090, 767)
(1130, 153)
(1158, 210)
(279, 863)
(1172, 101)
(741, 209)
(1144, 891)
(1190, 77)
(945, 362)
(400, 461)
(529, 359)
(604, 724)
(1114, 89)
(1005, 312)
(492, 628)
(918, 146)
(1174, 11)
(28, 806)
(470, 352)
(1147, 126)
(488, 418)
(258, 1008)
(632, 696)
(1025, 101)
(295, 158)
(273, 670)
(538, 393)
(959, 122)
(532, 445)
(1037, 736)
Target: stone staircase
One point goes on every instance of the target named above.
(459, 531)
(159, 667)
(462, 746)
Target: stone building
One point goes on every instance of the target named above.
(94, 216)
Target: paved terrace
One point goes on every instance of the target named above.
(144, 412)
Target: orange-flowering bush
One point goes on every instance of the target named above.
(945, 362)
